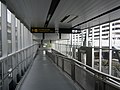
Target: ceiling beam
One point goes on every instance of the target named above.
(51, 11)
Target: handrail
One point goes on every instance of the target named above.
(2, 58)
(11, 54)
(93, 70)
(103, 48)
(11, 71)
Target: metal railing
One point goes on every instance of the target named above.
(84, 75)
(75, 52)
(14, 66)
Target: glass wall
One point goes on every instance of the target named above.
(104, 40)
(10, 42)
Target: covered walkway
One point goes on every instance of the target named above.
(45, 76)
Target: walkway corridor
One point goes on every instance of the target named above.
(45, 76)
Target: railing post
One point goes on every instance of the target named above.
(62, 64)
(57, 60)
(52, 56)
(73, 70)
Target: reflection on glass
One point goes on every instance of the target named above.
(96, 58)
(116, 63)
(105, 45)
(116, 48)
(105, 60)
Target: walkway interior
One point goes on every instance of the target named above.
(45, 76)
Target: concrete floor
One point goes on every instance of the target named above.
(45, 76)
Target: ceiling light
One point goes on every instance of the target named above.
(48, 17)
(72, 19)
(65, 18)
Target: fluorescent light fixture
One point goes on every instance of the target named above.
(65, 18)
(48, 17)
(72, 19)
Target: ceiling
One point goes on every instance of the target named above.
(34, 13)
(61, 13)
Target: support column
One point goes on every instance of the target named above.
(100, 52)
(4, 44)
(22, 46)
(110, 50)
(86, 37)
(4, 30)
(93, 48)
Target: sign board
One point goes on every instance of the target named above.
(52, 30)
(42, 30)
(65, 30)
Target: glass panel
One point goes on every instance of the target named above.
(16, 34)
(63, 48)
(80, 39)
(73, 39)
(0, 33)
(96, 31)
(116, 48)
(76, 53)
(105, 28)
(90, 37)
(9, 31)
(84, 37)
(105, 60)
(96, 36)
(67, 49)
(116, 63)
(96, 58)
